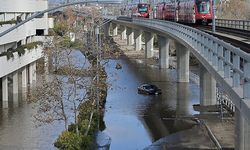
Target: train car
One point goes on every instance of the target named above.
(186, 11)
(203, 10)
(141, 10)
(160, 10)
(194, 11)
(169, 11)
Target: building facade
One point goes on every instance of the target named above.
(15, 61)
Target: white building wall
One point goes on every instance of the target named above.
(51, 22)
(23, 5)
(10, 9)
(13, 64)
(23, 8)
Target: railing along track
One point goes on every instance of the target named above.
(242, 44)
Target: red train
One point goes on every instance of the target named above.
(140, 10)
(185, 11)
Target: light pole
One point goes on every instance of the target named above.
(214, 11)
(97, 72)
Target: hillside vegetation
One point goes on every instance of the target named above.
(233, 9)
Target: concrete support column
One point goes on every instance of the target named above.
(107, 29)
(207, 88)
(130, 36)
(183, 102)
(242, 131)
(124, 30)
(24, 80)
(5, 92)
(46, 65)
(163, 52)
(32, 73)
(114, 29)
(138, 43)
(182, 54)
(15, 82)
(149, 44)
(23, 42)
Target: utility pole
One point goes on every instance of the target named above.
(214, 11)
(97, 70)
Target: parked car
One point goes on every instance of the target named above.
(149, 89)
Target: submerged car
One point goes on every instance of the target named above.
(149, 89)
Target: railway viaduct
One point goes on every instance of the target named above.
(221, 62)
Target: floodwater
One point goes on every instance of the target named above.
(132, 121)
(17, 128)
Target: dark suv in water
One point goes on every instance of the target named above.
(149, 89)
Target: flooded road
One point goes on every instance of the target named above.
(134, 121)
(18, 132)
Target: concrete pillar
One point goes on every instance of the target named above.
(242, 131)
(124, 30)
(138, 43)
(130, 36)
(182, 54)
(15, 82)
(149, 44)
(23, 42)
(32, 73)
(207, 88)
(183, 102)
(114, 29)
(15, 86)
(107, 29)
(163, 52)
(24, 80)
(5, 92)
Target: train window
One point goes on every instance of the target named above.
(203, 6)
(142, 8)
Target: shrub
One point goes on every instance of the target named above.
(20, 50)
(8, 22)
(69, 141)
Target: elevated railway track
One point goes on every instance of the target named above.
(237, 32)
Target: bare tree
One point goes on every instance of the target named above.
(72, 86)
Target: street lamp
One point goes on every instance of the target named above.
(214, 11)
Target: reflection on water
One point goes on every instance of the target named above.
(17, 130)
(134, 121)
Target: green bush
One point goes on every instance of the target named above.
(20, 50)
(69, 141)
(8, 22)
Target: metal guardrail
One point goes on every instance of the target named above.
(235, 24)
